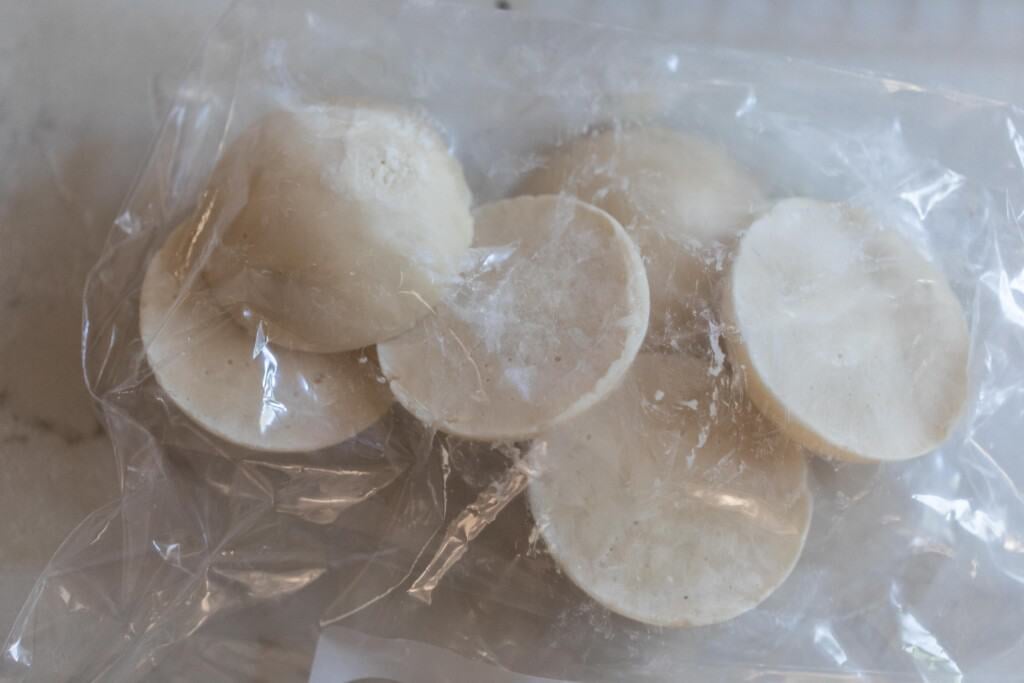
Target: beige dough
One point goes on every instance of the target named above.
(848, 338)
(681, 199)
(545, 323)
(673, 502)
(352, 219)
(279, 400)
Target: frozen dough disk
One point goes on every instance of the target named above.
(673, 502)
(848, 338)
(255, 395)
(352, 218)
(544, 324)
(681, 199)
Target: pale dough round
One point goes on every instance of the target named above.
(682, 200)
(672, 502)
(848, 338)
(352, 218)
(252, 394)
(544, 324)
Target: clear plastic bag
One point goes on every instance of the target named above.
(218, 563)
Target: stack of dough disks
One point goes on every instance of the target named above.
(849, 340)
(670, 490)
(681, 199)
(322, 231)
(544, 324)
(672, 502)
(238, 387)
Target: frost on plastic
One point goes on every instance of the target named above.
(216, 561)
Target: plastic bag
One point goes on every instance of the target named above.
(217, 563)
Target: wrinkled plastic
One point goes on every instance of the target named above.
(217, 563)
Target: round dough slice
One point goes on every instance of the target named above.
(673, 502)
(341, 225)
(252, 394)
(849, 340)
(544, 324)
(681, 199)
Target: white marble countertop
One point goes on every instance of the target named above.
(80, 105)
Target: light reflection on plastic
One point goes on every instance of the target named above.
(206, 606)
(308, 389)
(1017, 283)
(924, 199)
(891, 85)
(129, 223)
(486, 260)
(824, 639)
(1013, 544)
(268, 584)
(270, 407)
(523, 379)
(1016, 139)
(197, 233)
(925, 545)
(1011, 211)
(749, 508)
(976, 522)
(920, 644)
(1007, 301)
(69, 600)
(166, 552)
(749, 104)
(16, 654)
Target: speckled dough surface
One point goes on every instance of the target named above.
(245, 391)
(673, 502)
(546, 321)
(344, 223)
(848, 338)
